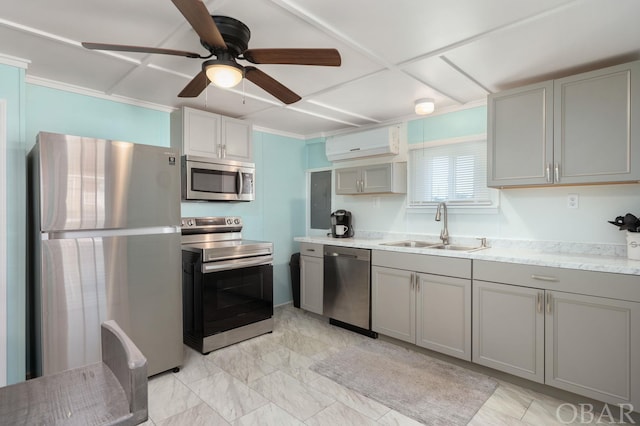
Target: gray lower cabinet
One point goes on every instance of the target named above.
(588, 344)
(443, 315)
(508, 329)
(393, 303)
(593, 347)
(311, 277)
(430, 310)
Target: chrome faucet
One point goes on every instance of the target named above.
(444, 234)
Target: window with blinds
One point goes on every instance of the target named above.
(452, 172)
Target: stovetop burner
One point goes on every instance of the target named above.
(219, 238)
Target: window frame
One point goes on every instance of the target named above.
(494, 194)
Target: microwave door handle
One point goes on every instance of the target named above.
(240, 184)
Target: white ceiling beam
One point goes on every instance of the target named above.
(441, 52)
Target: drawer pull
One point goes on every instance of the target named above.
(311, 249)
(543, 278)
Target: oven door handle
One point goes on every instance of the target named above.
(236, 264)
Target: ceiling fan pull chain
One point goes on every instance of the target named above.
(243, 93)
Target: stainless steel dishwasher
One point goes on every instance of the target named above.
(347, 288)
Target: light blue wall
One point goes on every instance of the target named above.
(471, 121)
(57, 111)
(276, 215)
(12, 91)
(284, 205)
(315, 155)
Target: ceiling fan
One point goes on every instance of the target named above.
(227, 39)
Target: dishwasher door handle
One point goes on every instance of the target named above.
(333, 254)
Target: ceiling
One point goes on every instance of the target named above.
(454, 51)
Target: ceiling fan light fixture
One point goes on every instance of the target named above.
(223, 73)
(425, 106)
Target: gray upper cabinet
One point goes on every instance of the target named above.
(574, 130)
(205, 134)
(520, 136)
(596, 138)
(389, 178)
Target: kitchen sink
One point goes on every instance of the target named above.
(454, 247)
(409, 243)
(429, 245)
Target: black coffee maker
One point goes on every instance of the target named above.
(341, 226)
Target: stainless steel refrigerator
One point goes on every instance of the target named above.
(104, 243)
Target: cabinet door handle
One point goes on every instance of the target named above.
(543, 278)
(556, 172)
(539, 303)
(411, 285)
(548, 172)
(417, 283)
(548, 303)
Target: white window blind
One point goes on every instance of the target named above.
(451, 172)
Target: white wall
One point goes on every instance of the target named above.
(539, 214)
(528, 213)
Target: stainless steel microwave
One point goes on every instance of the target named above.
(208, 179)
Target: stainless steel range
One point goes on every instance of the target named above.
(227, 283)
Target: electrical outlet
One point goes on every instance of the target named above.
(573, 201)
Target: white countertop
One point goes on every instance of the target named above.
(592, 261)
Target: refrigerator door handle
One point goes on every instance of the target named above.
(93, 233)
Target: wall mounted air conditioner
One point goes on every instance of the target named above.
(369, 143)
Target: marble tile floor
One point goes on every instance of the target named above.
(267, 381)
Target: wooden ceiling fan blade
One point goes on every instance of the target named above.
(198, 16)
(195, 86)
(323, 57)
(141, 49)
(270, 85)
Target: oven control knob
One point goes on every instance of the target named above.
(189, 222)
(229, 221)
(236, 221)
